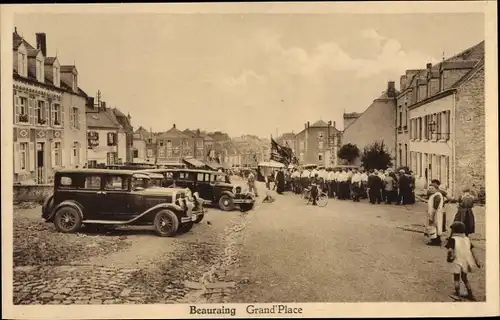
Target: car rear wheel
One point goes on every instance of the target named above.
(226, 203)
(199, 218)
(67, 220)
(166, 223)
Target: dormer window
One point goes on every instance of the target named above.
(75, 84)
(57, 75)
(40, 74)
(22, 68)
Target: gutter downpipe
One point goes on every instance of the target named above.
(453, 145)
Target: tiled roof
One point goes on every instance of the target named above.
(173, 133)
(50, 60)
(320, 123)
(464, 79)
(352, 115)
(67, 68)
(102, 119)
(194, 162)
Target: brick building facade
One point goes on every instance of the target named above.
(318, 143)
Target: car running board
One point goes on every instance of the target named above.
(115, 222)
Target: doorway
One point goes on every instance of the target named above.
(40, 162)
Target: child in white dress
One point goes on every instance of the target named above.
(461, 258)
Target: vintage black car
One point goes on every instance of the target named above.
(214, 187)
(101, 197)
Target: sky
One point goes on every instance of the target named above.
(262, 74)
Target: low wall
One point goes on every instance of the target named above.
(32, 193)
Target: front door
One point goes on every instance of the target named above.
(40, 161)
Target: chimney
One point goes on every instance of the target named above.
(308, 124)
(305, 125)
(103, 105)
(391, 86)
(174, 126)
(429, 66)
(41, 43)
(334, 124)
(90, 101)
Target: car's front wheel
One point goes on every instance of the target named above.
(226, 203)
(67, 220)
(166, 223)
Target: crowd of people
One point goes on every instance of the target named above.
(353, 184)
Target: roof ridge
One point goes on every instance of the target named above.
(463, 51)
(469, 74)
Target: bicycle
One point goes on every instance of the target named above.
(321, 198)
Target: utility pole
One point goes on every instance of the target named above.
(98, 98)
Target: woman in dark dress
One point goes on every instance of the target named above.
(280, 177)
(464, 212)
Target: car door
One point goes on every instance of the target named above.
(204, 186)
(116, 198)
(90, 195)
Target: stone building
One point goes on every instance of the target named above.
(173, 145)
(318, 143)
(288, 140)
(376, 123)
(49, 110)
(447, 121)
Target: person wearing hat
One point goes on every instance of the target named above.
(404, 185)
(462, 259)
(435, 212)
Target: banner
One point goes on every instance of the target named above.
(282, 154)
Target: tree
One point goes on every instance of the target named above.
(348, 152)
(376, 156)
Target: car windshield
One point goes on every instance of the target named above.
(155, 183)
(139, 183)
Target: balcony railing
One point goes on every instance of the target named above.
(42, 121)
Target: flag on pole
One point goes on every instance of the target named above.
(281, 154)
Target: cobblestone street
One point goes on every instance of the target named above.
(284, 251)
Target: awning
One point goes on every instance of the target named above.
(271, 164)
(213, 165)
(194, 162)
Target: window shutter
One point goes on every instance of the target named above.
(53, 154)
(62, 115)
(115, 140)
(31, 157)
(46, 110)
(35, 109)
(17, 158)
(72, 123)
(30, 111)
(79, 119)
(17, 109)
(52, 114)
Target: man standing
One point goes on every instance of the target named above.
(404, 188)
(356, 186)
(364, 182)
(342, 179)
(280, 181)
(251, 184)
(374, 187)
(329, 180)
(389, 187)
(304, 178)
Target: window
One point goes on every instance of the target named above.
(111, 158)
(135, 153)
(93, 182)
(39, 71)
(320, 145)
(302, 156)
(400, 118)
(169, 148)
(406, 155)
(161, 152)
(201, 176)
(400, 155)
(75, 118)
(150, 153)
(116, 183)
(22, 68)
(66, 182)
(56, 76)
(23, 156)
(57, 153)
(112, 138)
(40, 112)
(92, 164)
(320, 157)
(56, 115)
(321, 135)
(406, 114)
(75, 153)
(161, 143)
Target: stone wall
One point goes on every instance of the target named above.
(470, 134)
(32, 193)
